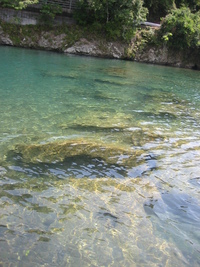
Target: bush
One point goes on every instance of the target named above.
(17, 4)
(160, 8)
(48, 13)
(181, 29)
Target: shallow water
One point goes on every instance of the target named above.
(99, 162)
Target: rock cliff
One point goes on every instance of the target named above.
(49, 40)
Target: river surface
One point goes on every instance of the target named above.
(99, 162)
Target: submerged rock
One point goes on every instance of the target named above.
(60, 151)
(140, 137)
(100, 121)
(2, 171)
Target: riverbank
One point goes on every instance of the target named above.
(72, 39)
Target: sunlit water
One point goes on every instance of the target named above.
(99, 162)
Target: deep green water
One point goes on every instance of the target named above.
(99, 162)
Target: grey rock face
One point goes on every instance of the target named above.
(94, 48)
(104, 49)
(4, 38)
(51, 42)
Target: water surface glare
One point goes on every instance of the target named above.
(99, 162)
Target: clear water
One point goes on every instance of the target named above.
(99, 162)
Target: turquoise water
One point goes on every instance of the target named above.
(99, 162)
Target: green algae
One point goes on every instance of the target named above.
(94, 120)
(141, 137)
(61, 151)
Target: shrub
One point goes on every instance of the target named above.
(17, 4)
(48, 13)
(181, 29)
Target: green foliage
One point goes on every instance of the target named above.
(181, 29)
(160, 8)
(18, 4)
(142, 39)
(82, 13)
(194, 5)
(115, 16)
(48, 13)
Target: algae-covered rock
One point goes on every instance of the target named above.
(100, 121)
(141, 137)
(60, 151)
(2, 171)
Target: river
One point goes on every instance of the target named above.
(99, 162)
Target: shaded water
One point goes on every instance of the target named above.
(99, 162)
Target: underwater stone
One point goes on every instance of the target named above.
(140, 137)
(60, 151)
(2, 171)
(100, 121)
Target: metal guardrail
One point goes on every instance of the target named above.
(65, 4)
(151, 24)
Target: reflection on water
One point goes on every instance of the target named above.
(99, 162)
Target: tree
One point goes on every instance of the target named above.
(194, 5)
(18, 4)
(116, 16)
(160, 8)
